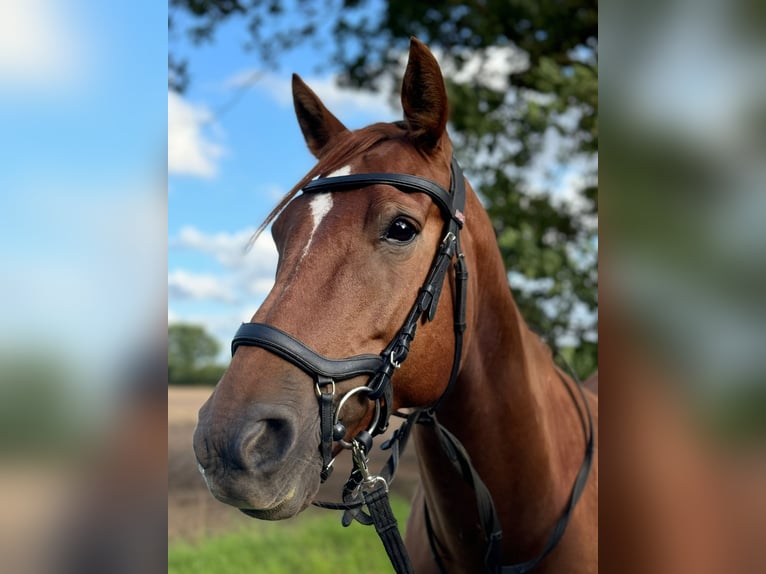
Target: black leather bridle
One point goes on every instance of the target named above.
(380, 368)
(362, 487)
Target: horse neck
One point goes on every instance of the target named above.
(511, 411)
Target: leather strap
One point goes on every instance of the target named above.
(326, 389)
(488, 515)
(387, 528)
(396, 444)
(577, 489)
(283, 345)
(403, 182)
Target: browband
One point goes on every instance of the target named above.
(451, 203)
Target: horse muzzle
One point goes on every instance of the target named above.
(261, 464)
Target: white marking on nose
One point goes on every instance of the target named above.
(320, 205)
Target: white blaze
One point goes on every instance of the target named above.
(345, 170)
(320, 205)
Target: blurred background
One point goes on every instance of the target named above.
(82, 295)
(88, 232)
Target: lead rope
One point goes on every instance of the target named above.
(375, 495)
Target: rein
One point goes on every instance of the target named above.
(362, 487)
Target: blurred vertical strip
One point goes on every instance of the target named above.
(683, 276)
(83, 240)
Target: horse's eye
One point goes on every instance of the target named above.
(401, 231)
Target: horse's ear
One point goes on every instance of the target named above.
(424, 96)
(318, 124)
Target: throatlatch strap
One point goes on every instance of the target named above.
(385, 525)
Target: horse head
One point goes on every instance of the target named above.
(351, 265)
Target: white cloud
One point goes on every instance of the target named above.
(191, 151)
(260, 287)
(230, 249)
(187, 285)
(39, 45)
(489, 68)
(247, 275)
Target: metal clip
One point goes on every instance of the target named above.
(360, 461)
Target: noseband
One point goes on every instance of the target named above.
(379, 368)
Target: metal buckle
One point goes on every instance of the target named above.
(394, 363)
(317, 386)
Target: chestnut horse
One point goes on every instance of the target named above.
(351, 263)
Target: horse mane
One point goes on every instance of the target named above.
(348, 145)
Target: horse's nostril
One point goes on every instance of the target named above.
(267, 443)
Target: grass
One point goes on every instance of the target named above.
(315, 544)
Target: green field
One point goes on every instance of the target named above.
(316, 544)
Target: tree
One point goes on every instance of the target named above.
(191, 356)
(548, 97)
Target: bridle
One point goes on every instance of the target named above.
(380, 368)
(362, 487)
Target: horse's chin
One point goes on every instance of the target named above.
(294, 502)
(285, 509)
